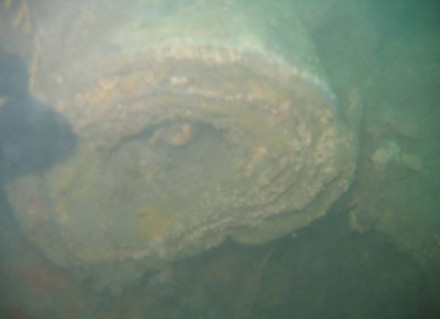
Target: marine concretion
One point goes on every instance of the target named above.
(196, 121)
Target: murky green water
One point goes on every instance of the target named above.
(375, 253)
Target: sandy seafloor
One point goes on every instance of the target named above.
(376, 254)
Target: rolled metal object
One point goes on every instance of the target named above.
(196, 121)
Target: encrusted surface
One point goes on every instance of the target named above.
(183, 160)
(182, 144)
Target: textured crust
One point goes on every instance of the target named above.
(181, 147)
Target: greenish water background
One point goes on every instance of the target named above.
(377, 252)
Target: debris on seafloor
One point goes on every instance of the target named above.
(391, 152)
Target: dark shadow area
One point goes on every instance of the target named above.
(337, 273)
(33, 137)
